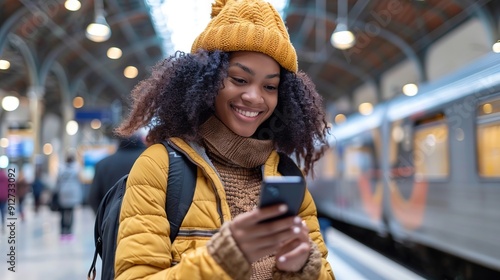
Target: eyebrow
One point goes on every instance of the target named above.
(251, 72)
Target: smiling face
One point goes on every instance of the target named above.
(250, 92)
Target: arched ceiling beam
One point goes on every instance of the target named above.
(454, 21)
(478, 8)
(65, 106)
(74, 42)
(13, 20)
(129, 32)
(357, 9)
(96, 92)
(327, 89)
(78, 49)
(9, 24)
(79, 86)
(306, 25)
(379, 31)
(128, 51)
(15, 60)
(319, 12)
(29, 58)
(60, 73)
(344, 65)
(55, 53)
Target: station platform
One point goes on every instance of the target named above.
(40, 254)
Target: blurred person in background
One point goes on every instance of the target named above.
(37, 187)
(22, 189)
(69, 189)
(4, 194)
(111, 168)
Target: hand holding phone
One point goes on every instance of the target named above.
(287, 190)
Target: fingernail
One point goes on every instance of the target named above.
(296, 230)
(297, 220)
(282, 259)
(304, 223)
(283, 208)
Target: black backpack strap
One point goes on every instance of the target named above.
(287, 166)
(180, 188)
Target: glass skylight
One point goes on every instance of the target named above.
(179, 22)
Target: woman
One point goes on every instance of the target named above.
(230, 105)
(4, 195)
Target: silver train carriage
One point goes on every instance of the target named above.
(424, 169)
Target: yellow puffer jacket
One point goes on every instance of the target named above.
(144, 250)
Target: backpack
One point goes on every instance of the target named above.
(181, 185)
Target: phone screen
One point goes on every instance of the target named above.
(287, 190)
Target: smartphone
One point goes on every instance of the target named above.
(287, 190)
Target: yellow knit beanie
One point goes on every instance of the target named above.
(248, 25)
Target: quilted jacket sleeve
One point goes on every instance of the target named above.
(143, 244)
(317, 267)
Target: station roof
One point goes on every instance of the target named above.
(46, 44)
(387, 32)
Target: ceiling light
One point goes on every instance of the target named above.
(342, 38)
(99, 30)
(4, 64)
(71, 127)
(48, 149)
(130, 72)
(114, 53)
(78, 102)
(72, 5)
(365, 108)
(4, 142)
(95, 124)
(4, 161)
(496, 47)
(10, 103)
(340, 118)
(410, 89)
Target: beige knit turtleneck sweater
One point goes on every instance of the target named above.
(238, 160)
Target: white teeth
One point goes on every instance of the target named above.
(246, 113)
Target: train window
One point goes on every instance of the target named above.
(430, 149)
(359, 159)
(489, 108)
(326, 167)
(488, 139)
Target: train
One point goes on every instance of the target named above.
(423, 171)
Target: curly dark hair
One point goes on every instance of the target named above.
(180, 94)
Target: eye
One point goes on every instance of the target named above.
(271, 88)
(238, 80)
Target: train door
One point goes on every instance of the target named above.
(418, 158)
(361, 179)
(482, 199)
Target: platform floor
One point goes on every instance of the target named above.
(39, 252)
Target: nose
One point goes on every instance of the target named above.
(253, 95)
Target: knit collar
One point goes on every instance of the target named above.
(235, 149)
